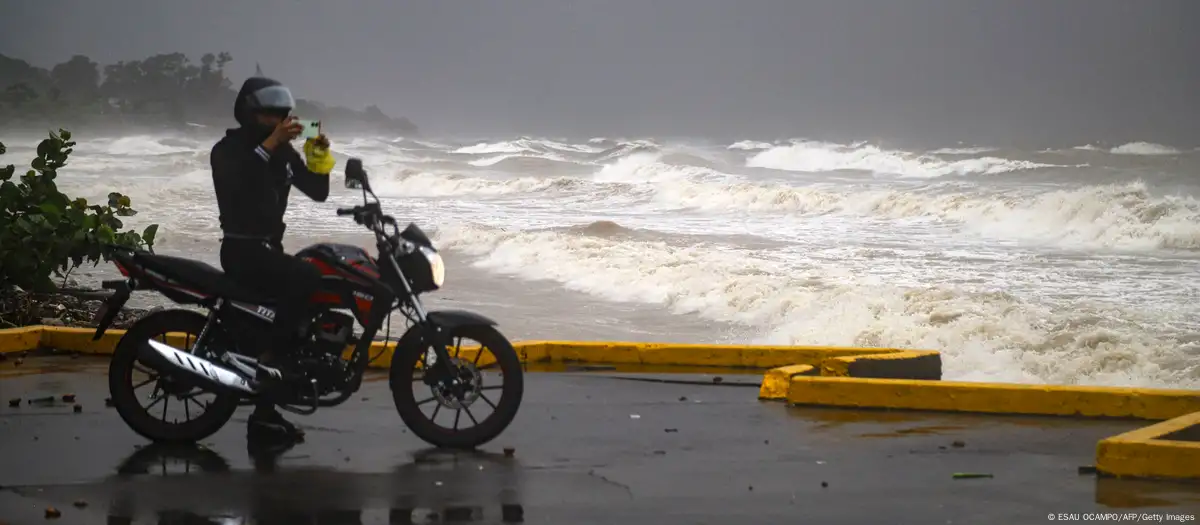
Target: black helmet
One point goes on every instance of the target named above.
(260, 94)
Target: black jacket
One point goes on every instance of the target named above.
(252, 185)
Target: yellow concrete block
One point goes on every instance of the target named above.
(994, 398)
(1151, 453)
(20, 339)
(776, 381)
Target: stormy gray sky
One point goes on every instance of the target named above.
(907, 70)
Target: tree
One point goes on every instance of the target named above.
(77, 78)
(19, 95)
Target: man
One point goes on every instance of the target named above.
(254, 167)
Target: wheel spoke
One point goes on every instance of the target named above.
(166, 401)
(423, 401)
(493, 387)
(488, 401)
(457, 414)
(187, 412)
(457, 347)
(436, 408)
(144, 383)
(468, 409)
(479, 354)
(193, 400)
(155, 402)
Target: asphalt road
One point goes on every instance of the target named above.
(588, 448)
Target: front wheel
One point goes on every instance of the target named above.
(487, 367)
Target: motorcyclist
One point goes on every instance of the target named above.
(254, 168)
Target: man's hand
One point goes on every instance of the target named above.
(287, 130)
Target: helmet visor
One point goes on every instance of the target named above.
(272, 98)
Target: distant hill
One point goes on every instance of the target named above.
(165, 90)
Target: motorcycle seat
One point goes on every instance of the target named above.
(205, 277)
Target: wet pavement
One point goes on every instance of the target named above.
(588, 447)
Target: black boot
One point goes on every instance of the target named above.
(266, 422)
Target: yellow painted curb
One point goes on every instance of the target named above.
(776, 381)
(617, 353)
(993, 398)
(1170, 449)
(19, 339)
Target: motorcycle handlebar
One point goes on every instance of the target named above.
(347, 211)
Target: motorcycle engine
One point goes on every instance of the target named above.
(322, 360)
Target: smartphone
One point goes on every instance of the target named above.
(312, 128)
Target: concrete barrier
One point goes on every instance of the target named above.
(924, 364)
(992, 398)
(1170, 450)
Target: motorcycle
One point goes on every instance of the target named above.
(220, 357)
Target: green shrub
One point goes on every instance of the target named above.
(44, 233)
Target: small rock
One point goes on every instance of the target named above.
(751, 488)
(824, 484)
(509, 451)
(50, 321)
(77, 408)
(553, 418)
(766, 442)
(718, 379)
(80, 504)
(366, 399)
(634, 416)
(941, 447)
(15, 402)
(958, 444)
(52, 513)
(68, 398)
(669, 430)
(20, 361)
(347, 458)
(683, 398)
(108, 402)
(660, 452)
(75, 355)
(1087, 469)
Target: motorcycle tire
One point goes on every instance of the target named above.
(120, 374)
(412, 349)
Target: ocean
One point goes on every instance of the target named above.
(1062, 266)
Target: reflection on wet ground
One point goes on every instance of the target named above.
(585, 448)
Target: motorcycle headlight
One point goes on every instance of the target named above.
(437, 268)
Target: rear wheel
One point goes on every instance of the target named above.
(490, 371)
(176, 410)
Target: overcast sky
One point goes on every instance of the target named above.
(912, 70)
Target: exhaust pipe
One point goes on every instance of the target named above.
(202, 368)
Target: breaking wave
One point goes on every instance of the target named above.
(984, 335)
(816, 157)
(1143, 148)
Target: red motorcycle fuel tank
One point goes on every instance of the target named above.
(340, 266)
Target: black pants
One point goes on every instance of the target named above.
(267, 270)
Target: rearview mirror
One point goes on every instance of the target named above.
(356, 177)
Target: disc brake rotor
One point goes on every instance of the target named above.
(470, 380)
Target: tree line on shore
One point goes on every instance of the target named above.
(161, 90)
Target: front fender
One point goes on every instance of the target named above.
(451, 319)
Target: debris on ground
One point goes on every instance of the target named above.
(1087, 469)
(824, 484)
(14, 402)
(669, 430)
(958, 444)
(77, 408)
(634, 416)
(80, 504)
(718, 379)
(68, 398)
(970, 475)
(52, 513)
(509, 451)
